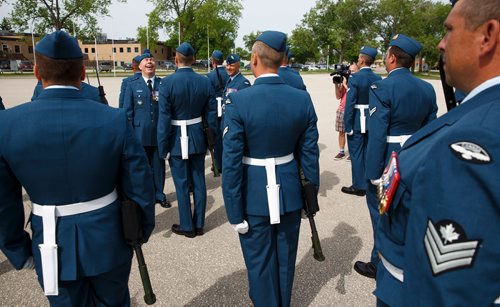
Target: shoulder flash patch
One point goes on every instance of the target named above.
(470, 152)
(449, 249)
(373, 86)
(228, 101)
(247, 82)
(373, 110)
(226, 129)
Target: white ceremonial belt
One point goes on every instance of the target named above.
(273, 189)
(401, 139)
(393, 270)
(48, 249)
(184, 136)
(362, 116)
(219, 106)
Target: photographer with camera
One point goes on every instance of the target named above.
(340, 78)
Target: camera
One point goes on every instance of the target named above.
(340, 71)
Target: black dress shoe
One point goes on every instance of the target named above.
(199, 231)
(352, 190)
(164, 203)
(177, 230)
(366, 269)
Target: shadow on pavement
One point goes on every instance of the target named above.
(328, 180)
(311, 276)
(5, 267)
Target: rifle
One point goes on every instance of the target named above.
(310, 194)
(209, 134)
(449, 95)
(100, 87)
(132, 232)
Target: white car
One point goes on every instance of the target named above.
(312, 67)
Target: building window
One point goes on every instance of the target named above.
(5, 48)
(17, 49)
(121, 49)
(86, 50)
(136, 49)
(93, 50)
(122, 63)
(116, 63)
(161, 51)
(129, 49)
(114, 49)
(30, 49)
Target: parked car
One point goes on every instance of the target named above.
(105, 66)
(25, 66)
(168, 65)
(127, 66)
(297, 66)
(312, 68)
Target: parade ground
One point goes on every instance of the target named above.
(209, 270)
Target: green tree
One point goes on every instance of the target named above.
(5, 25)
(79, 16)
(301, 43)
(249, 39)
(142, 37)
(244, 54)
(201, 22)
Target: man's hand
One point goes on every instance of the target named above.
(29, 264)
(241, 228)
(350, 132)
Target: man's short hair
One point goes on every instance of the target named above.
(185, 60)
(59, 71)
(368, 59)
(269, 57)
(403, 59)
(477, 12)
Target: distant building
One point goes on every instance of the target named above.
(19, 47)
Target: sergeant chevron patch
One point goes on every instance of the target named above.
(372, 110)
(450, 249)
(470, 152)
(226, 129)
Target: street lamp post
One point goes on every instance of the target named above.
(33, 41)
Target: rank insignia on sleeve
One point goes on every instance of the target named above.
(226, 129)
(447, 246)
(372, 110)
(373, 86)
(470, 152)
(228, 101)
(348, 89)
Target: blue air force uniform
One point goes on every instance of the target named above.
(355, 119)
(2, 107)
(451, 248)
(236, 83)
(218, 78)
(291, 77)
(185, 97)
(88, 91)
(71, 151)
(123, 87)
(262, 123)
(141, 106)
(400, 105)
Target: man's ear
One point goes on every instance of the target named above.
(37, 73)
(490, 36)
(82, 73)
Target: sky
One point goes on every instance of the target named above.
(279, 15)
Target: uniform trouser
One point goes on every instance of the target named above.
(107, 289)
(372, 202)
(158, 168)
(270, 252)
(218, 148)
(357, 146)
(183, 172)
(388, 290)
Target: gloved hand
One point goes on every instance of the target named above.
(375, 182)
(29, 264)
(350, 132)
(241, 228)
(303, 214)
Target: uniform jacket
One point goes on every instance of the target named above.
(238, 83)
(261, 123)
(185, 95)
(291, 77)
(88, 91)
(399, 105)
(214, 80)
(461, 219)
(142, 108)
(358, 93)
(66, 149)
(123, 87)
(2, 107)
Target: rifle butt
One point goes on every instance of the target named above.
(149, 296)
(316, 244)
